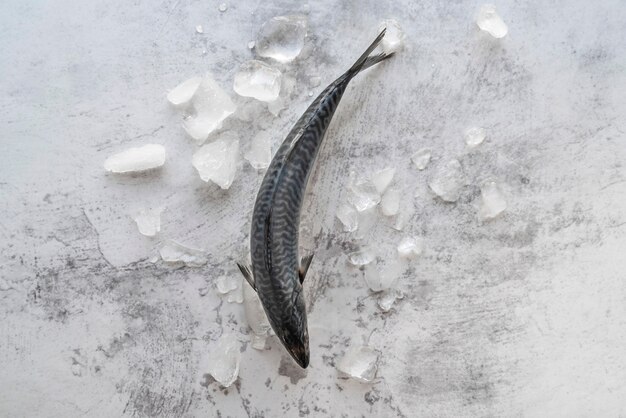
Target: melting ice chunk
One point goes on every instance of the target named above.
(383, 178)
(383, 277)
(259, 80)
(421, 158)
(236, 295)
(182, 93)
(390, 203)
(217, 161)
(388, 298)
(175, 253)
(282, 37)
(475, 136)
(255, 314)
(410, 247)
(493, 202)
(489, 21)
(223, 362)
(148, 221)
(259, 154)
(361, 258)
(226, 284)
(211, 105)
(222, 7)
(142, 158)
(448, 180)
(363, 195)
(348, 217)
(394, 37)
(199, 29)
(360, 363)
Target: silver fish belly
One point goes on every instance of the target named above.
(277, 272)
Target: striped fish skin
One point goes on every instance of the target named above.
(276, 216)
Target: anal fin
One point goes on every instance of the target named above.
(305, 262)
(247, 273)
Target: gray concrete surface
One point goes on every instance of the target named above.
(521, 316)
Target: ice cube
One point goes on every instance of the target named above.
(421, 158)
(258, 80)
(255, 315)
(259, 154)
(388, 298)
(475, 136)
(217, 161)
(489, 21)
(223, 362)
(448, 180)
(176, 253)
(382, 277)
(211, 105)
(410, 247)
(394, 37)
(363, 195)
(361, 257)
(226, 283)
(199, 29)
(222, 7)
(136, 159)
(390, 203)
(360, 362)
(182, 93)
(148, 221)
(493, 202)
(383, 178)
(282, 37)
(348, 217)
(236, 295)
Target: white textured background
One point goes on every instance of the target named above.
(522, 316)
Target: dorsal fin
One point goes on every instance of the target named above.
(247, 273)
(304, 266)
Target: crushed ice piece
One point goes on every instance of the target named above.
(390, 203)
(236, 295)
(383, 277)
(259, 154)
(148, 221)
(404, 216)
(276, 106)
(225, 284)
(383, 178)
(363, 195)
(223, 362)
(361, 258)
(255, 315)
(410, 247)
(310, 94)
(251, 45)
(394, 37)
(282, 37)
(475, 136)
(182, 93)
(315, 81)
(217, 161)
(199, 29)
(76, 369)
(258, 80)
(360, 363)
(448, 180)
(348, 217)
(287, 87)
(388, 298)
(135, 159)
(492, 203)
(489, 21)
(212, 105)
(421, 158)
(176, 253)
(222, 7)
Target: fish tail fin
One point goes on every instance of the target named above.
(365, 61)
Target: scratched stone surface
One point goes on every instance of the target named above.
(519, 316)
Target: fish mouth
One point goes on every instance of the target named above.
(300, 354)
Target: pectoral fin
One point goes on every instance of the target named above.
(247, 273)
(304, 266)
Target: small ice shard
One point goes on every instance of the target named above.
(282, 37)
(211, 105)
(363, 195)
(258, 80)
(489, 21)
(223, 361)
(360, 362)
(390, 204)
(448, 180)
(475, 136)
(217, 161)
(199, 29)
(410, 247)
(287, 86)
(382, 277)
(148, 221)
(259, 154)
(348, 217)
(404, 216)
(383, 178)
(182, 93)
(251, 45)
(367, 221)
(421, 158)
(315, 81)
(394, 37)
(388, 298)
(136, 159)
(310, 94)
(255, 315)
(226, 284)
(236, 295)
(176, 253)
(222, 7)
(361, 258)
(493, 202)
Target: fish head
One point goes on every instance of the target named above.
(294, 333)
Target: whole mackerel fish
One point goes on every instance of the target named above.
(277, 271)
